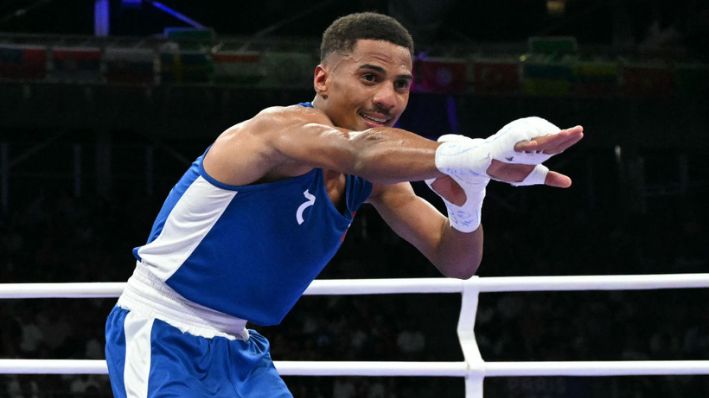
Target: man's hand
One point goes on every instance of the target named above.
(551, 144)
(470, 163)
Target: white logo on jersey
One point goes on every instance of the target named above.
(301, 209)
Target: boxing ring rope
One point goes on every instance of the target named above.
(474, 369)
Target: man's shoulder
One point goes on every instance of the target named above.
(259, 143)
(291, 114)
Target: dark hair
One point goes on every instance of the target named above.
(342, 34)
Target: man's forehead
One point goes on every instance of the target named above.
(368, 51)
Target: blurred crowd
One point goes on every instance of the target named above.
(55, 237)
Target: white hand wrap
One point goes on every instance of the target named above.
(464, 218)
(502, 143)
(456, 156)
(536, 177)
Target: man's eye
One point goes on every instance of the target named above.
(402, 84)
(369, 77)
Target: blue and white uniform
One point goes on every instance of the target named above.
(218, 256)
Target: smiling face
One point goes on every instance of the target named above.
(367, 87)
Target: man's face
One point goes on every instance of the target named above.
(366, 88)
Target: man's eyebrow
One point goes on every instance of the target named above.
(379, 69)
(376, 68)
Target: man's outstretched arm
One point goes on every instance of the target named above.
(284, 142)
(290, 141)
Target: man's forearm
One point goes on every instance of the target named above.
(459, 254)
(388, 155)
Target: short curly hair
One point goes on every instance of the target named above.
(344, 32)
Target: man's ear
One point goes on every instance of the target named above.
(320, 80)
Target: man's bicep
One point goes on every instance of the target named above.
(316, 144)
(410, 216)
(307, 137)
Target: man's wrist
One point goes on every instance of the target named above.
(462, 156)
(466, 217)
(466, 162)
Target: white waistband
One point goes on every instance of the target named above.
(147, 295)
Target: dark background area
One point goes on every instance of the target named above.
(592, 22)
(638, 204)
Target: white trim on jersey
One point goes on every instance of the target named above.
(184, 230)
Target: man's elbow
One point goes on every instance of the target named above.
(461, 271)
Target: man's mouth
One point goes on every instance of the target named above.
(379, 119)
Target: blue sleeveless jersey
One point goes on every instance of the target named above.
(248, 251)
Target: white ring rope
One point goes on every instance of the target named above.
(399, 286)
(474, 369)
(393, 368)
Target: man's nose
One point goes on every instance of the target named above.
(386, 97)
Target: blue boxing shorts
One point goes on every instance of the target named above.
(169, 363)
(159, 345)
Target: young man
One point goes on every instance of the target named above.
(262, 211)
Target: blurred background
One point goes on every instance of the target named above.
(103, 105)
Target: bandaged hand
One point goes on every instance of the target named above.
(502, 144)
(457, 156)
(466, 217)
